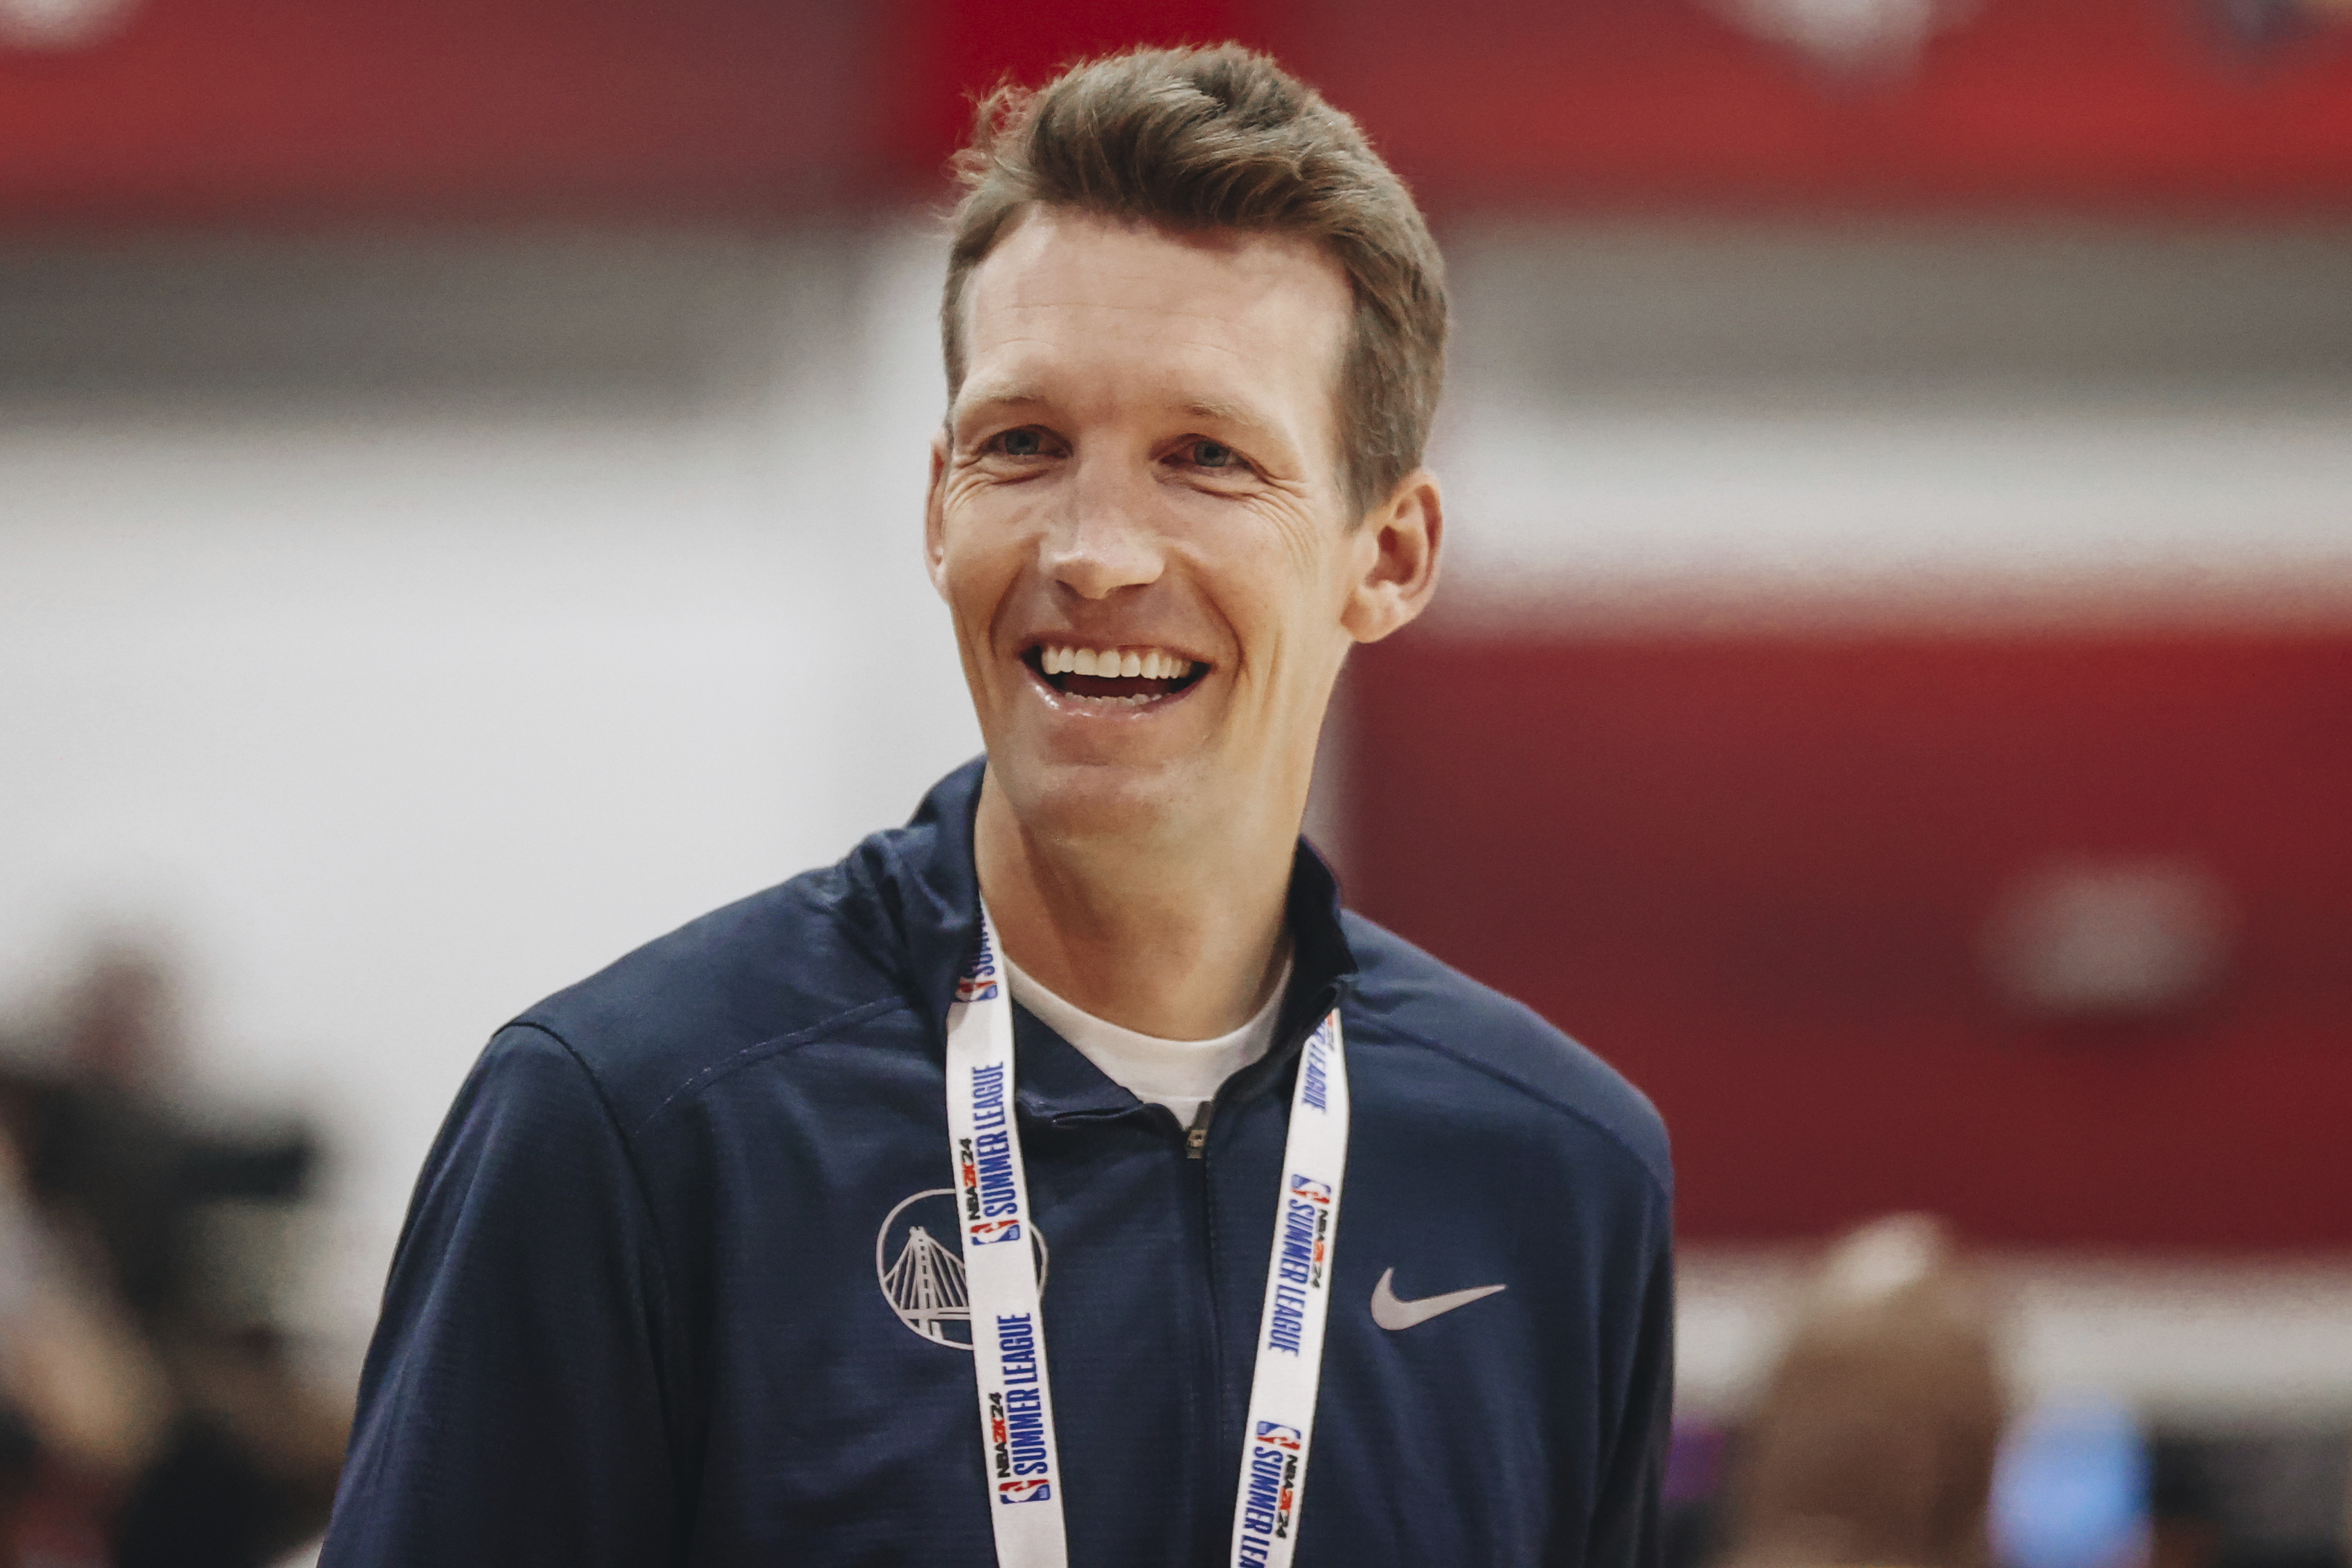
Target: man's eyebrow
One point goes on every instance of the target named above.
(1243, 416)
(1227, 412)
(1011, 396)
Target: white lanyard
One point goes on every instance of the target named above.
(1008, 1341)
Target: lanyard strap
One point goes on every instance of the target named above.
(1297, 1304)
(1008, 1339)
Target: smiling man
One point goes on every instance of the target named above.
(1064, 1177)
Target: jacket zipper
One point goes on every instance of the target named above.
(1196, 1148)
(1207, 1529)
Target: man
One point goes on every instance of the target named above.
(790, 1240)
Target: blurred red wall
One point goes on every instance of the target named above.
(198, 110)
(1756, 875)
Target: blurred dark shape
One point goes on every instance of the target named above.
(1695, 1463)
(106, 1147)
(147, 1246)
(2272, 24)
(20, 1464)
(247, 1475)
(2252, 1498)
(2183, 1507)
(1876, 1437)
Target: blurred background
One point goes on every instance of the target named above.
(460, 485)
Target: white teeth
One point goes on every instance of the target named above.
(1151, 664)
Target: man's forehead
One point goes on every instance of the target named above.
(1217, 288)
(1241, 330)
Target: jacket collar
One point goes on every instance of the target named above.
(928, 886)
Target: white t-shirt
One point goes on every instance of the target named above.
(1178, 1074)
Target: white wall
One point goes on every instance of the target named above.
(1898, 422)
(392, 713)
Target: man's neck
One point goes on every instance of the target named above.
(1182, 944)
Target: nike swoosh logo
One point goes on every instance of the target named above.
(1393, 1314)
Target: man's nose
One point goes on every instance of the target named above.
(1105, 538)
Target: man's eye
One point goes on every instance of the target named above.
(1214, 455)
(1021, 443)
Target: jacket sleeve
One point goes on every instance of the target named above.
(1626, 1531)
(511, 1411)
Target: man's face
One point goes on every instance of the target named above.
(1138, 522)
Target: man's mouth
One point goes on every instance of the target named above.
(1113, 677)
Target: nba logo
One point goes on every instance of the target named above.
(994, 1230)
(973, 988)
(1023, 1491)
(1307, 1187)
(1276, 1434)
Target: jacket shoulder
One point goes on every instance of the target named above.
(758, 974)
(1410, 992)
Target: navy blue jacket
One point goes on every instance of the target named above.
(674, 1288)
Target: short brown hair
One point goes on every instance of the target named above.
(1223, 138)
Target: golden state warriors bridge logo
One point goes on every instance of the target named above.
(918, 1261)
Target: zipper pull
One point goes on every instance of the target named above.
(1196, 1137)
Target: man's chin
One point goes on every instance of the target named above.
(1097, 800)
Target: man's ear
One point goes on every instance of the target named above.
(1396, 549)
(935, 539)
